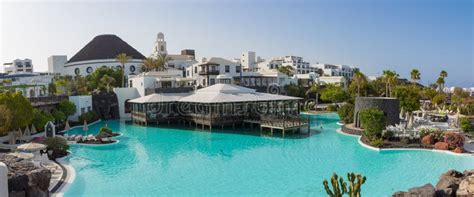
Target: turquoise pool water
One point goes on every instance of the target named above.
(152, 161)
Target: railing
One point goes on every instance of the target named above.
(149, 91)
(209, 72)
(47, 100)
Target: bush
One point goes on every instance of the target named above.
(454, 140)
(58, 116)
(40, 118)
(377, 142)
(89, 117)
(373, 122)
(387, 134)
(435, 133)
(346, 113)
(58, 145)
(105, 132)
(465, 124)
(331, 108)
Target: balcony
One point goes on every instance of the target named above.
(209, 72)
(149, 91)
(47, 100)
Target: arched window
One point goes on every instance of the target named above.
(32, 93)
(77, 71)
(132, 68)
(162, 48)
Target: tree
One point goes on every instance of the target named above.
(106, 82)
(19, 107)
(288, 70)
(94, 79)
(149, 64)
(314, 89)
(438, 99)
(40, 118)
(443, 74)
(58, 116)
(65, 82)
(409, 98)
(359, 79)
(6, 119)
(390, 78)
(373, 122)
(334, 94)
(440, 82)
(122, 58)
(415, 76)
(161, 62)
(67, 107)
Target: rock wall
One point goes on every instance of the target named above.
(24, 178)
(106, 105)
(450, 184)
(390, 107)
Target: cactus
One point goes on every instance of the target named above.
(354, 187)
(338, 188)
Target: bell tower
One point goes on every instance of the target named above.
(160, 47)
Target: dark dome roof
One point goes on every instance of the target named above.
(105, 47)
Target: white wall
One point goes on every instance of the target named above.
(56, 63)
(92, 65)
(83, 104)
(124, 94)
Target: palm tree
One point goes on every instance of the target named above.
(107, 81)
(440, 82)
(161, 62)
(390, 79)
(149, 63)
(415, 75)
(443, 74)
(359, 79)
(315, 89)
(288, 70)
(122, 58)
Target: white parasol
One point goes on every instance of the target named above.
(67, 127)
(27, 131)
(85, 128)
(25, 156)
(33, 129)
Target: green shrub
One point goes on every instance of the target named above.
(466, 125)
(436, 134)
(377, 142)
(373, 122)
(387, 134)
(346, 113)
(89, 117)
(40, 118)
(331, 108)
(58, 116)
(58, 145)
(105, 132)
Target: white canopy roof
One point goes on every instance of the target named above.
(218, 93)
(158, 98)
(226, 93)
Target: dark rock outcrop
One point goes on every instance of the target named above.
(24, 178)
(106, 105)
(451, 184)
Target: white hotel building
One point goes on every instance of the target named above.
(337, 70)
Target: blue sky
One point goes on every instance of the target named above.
(371, 34)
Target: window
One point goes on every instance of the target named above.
(204, 82)
(27, 64)
(18, 64)
(237, 69)
(187, 73)
(213, 68)
(131, 84)
(89, 69)
(83, 110)
(132, 68)
(195, 69)
(213, 81)
(89, 108)
(162, 48)
(77, 71)
(227, 68)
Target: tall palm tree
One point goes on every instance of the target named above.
(122, 58)
(161, 62)
(359, 79)
(443, 74)
(149, 63)
(315, 89)
(440, 81)
(415, 75)
(390, 79)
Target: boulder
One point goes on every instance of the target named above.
(441, 146)
(448, 183)
(458, 150)
(466, 187)
(427, 140)
(424, 191)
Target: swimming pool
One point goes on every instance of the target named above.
(152, 161)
